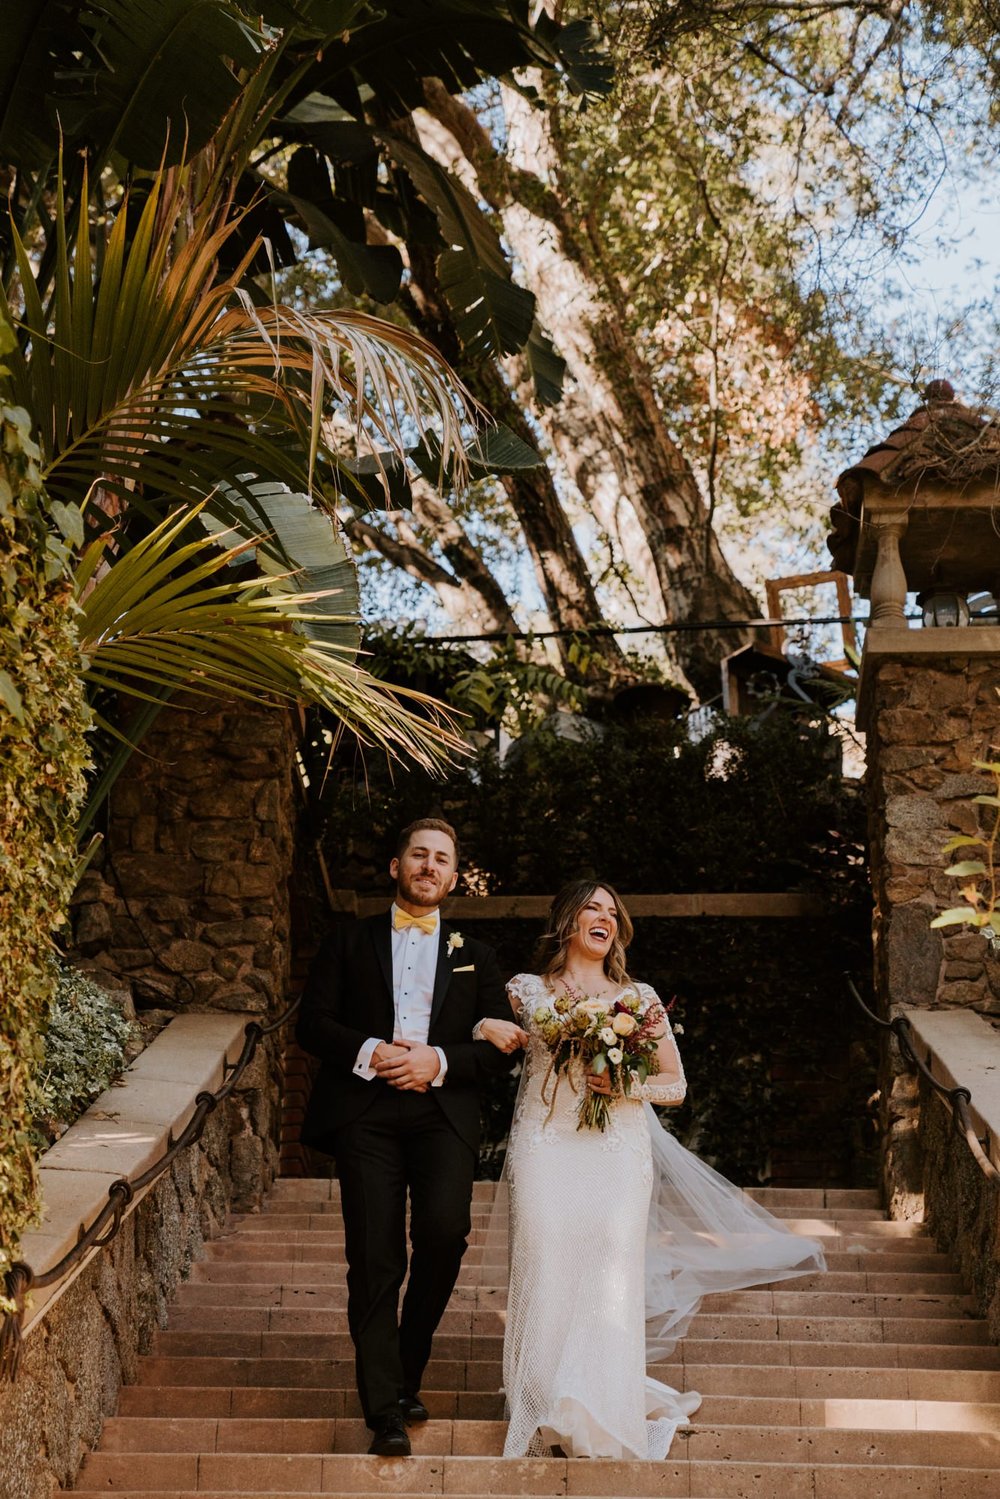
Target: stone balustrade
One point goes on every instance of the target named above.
(961, 1206)
(83, 1337)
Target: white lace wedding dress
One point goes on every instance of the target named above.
(614, 1237)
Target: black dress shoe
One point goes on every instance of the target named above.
(412, 1408)
(390, 1439)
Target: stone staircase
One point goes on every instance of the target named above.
(875, 1381)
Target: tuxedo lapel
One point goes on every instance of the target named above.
(382, 939)
(442, 974)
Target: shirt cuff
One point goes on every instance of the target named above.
(363, 1061)
(437, 1081)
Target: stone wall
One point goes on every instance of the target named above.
(186, 902)
(88, 1345)
(927, 718)
(962, 1207)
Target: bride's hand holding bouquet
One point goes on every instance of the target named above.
(614, 1038)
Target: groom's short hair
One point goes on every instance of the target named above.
(427, 824)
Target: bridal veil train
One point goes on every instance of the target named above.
(614, 1238)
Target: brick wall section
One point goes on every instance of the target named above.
(298, 1071)
(928, 720)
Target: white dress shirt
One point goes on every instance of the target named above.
(414, 966)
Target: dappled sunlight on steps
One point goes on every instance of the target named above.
(875, 1381)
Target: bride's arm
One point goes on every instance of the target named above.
(668, 1085)
(505, 1035)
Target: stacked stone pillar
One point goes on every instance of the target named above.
(917, 515)
(931, 706)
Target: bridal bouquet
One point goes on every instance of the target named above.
(614, 1036)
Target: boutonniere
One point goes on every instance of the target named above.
(455, 941)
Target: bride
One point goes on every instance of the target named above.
(614, 1235)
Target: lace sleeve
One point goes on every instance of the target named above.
(518, 992)
(654, 1091)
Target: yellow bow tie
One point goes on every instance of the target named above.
(402, 920)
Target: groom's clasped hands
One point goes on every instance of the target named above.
(406, 1064)
(412, 1066)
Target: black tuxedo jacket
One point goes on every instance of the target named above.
(348, 998)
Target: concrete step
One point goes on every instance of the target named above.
(454, 1381)
(258, 1261)
(282, 1475)
(850, 1430)
(325, 1406)
(288, 1190)
(328, 1220)
(488, 1314)
(326, 1230)
(329, 1270)
(299, 1373)
(274, 1402)
(922, 1291)
(292, 1341)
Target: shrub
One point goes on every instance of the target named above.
(84, 1049)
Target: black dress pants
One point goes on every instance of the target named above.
(401, 1143)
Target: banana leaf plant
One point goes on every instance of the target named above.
(163, 393)
(326, 86)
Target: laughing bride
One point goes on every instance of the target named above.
(615, 1230)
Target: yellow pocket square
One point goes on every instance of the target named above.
(467, 968)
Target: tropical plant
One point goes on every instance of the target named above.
(980, 875)
(165, 393)
(312, 88)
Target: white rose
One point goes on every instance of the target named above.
(608, 1036)
(593, 1006)
(624, 1025)
(615, 1054)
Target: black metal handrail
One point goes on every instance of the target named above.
(20, 1278)
(959, 1098)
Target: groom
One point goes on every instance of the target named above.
(389, 1008)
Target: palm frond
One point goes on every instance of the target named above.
(302, 551)
(168, 615)
(158, 378)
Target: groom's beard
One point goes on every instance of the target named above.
(429, 895)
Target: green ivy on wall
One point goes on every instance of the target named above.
(43, 759)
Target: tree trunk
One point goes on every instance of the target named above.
(560, 567)
(608, 431)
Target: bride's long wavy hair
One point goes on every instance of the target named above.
(553, 945)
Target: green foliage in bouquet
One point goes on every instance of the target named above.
(43, 759)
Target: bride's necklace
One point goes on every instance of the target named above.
(577, 994)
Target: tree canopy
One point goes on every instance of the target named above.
(647, 235)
